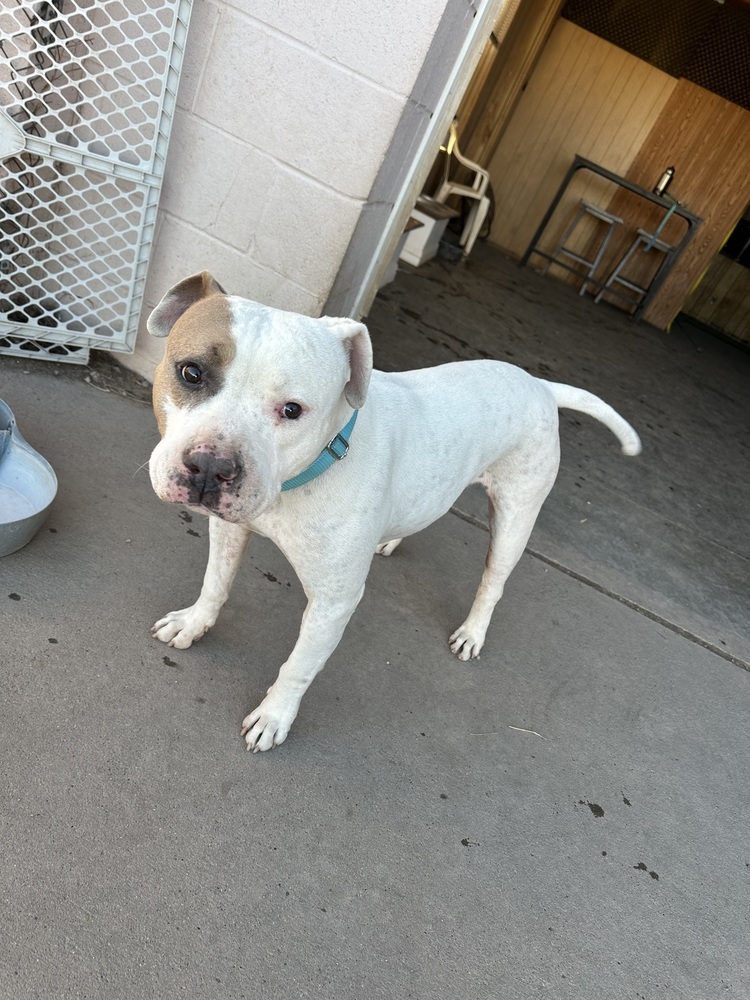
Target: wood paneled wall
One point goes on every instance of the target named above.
(722, 299)
(586, 96)
(521, 34)
(707, 139)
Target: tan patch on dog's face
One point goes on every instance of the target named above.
(200, 348)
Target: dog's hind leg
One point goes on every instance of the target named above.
(385, 548)
(517, 486)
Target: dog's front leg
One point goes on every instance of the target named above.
(323, 624)
(227, 544)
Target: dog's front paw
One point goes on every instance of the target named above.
(269, 724)
(466, 642)
(181, 628)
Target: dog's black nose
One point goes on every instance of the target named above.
(209, 474)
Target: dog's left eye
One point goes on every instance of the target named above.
(291, 411)
(191, 374)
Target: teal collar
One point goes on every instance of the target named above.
(334, 451)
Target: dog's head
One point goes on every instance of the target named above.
(246, 396)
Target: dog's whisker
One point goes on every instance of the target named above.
(140, 467)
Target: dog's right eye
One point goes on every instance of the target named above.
(291, 411)
(191, 374)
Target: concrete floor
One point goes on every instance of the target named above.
(566, 817)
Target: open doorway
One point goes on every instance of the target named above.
(560, 78)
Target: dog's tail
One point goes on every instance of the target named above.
(568, 397)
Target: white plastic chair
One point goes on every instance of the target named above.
(476, 190)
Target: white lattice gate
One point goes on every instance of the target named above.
(87, 96)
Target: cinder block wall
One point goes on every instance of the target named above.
(285, 112)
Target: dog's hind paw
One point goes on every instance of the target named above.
(466, 643)
(182, 628)
(385, 548)
(269, 724)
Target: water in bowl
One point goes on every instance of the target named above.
(14, 506)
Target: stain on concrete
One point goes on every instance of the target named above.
(593, 806)
(641, 867)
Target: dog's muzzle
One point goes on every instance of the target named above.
(209, 477)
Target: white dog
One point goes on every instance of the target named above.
(276, 423)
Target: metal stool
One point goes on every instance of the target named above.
(650, 242)
(598, 213)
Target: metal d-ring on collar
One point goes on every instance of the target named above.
(336, 449)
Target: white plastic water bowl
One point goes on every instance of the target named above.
(28, 485)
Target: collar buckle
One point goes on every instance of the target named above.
(338, 447)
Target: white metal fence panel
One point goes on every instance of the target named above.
(87, 97)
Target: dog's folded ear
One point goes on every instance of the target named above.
(178, 300)
(356, 340)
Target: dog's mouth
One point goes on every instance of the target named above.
(204, 511)
(231, 497)
(227, 507)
